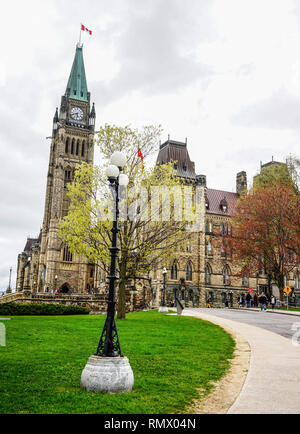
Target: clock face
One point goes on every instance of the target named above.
(77, 113)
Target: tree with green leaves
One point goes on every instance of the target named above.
(287, 173)
(145, 238)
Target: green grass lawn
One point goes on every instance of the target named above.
(171, 356)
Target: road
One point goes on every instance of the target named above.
(272, 384)
(274, 322)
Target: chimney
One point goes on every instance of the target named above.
(241, 182)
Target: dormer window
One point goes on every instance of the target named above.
(74, 91)
(224, 205)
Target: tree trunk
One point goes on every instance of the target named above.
(121, 313)
(280, 284)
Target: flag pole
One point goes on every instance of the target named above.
(80, 34)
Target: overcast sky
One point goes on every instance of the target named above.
(223, 73)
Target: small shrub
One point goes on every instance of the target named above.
(13, 308)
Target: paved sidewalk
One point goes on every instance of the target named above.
(272, 385)
(257, 309)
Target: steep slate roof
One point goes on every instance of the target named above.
(215, 197)
(77, 80)
(29, 243)
(177, 151)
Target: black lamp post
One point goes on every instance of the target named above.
(163, 298)
(109, 344)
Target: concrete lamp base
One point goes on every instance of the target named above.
(163, 309)
(107, 375)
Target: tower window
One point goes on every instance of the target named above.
(81, 93)
(72, 146)
(74, 91)
(77, 147)
(67, 146)
(67, 255)
(67, 175)
(82, 149)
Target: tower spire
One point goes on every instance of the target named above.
(77, 86)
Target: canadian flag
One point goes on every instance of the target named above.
(140, 155)
(84, 28)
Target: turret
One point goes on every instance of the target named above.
(55, 121)
(92, 117)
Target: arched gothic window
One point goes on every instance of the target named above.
(245, 281)
(188, 245)
(67, 145)
(77, 147)
(226, 275)
(174, 271)
(83, 148)
(188, 271)
(72, 146)
(207, 274)
(68, 175)
(209, 247)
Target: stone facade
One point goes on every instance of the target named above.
(199, 271)
(202, 270)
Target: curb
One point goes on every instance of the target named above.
(268, 311)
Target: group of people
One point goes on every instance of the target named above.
(260, 300)
(47, 290)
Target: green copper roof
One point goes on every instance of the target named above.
(77, 80)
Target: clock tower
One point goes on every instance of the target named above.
(72, 143)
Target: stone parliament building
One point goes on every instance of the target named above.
(200, 271)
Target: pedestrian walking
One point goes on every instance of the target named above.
(248, 300)
(273, 301)
(255, 300)
(242, 301)
(262, 302)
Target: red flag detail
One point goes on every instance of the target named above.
(84, 28)
(140, 155)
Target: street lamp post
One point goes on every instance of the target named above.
(108, 370)
(55, 282)
(163, 307)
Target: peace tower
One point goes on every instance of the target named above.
(46, 263)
